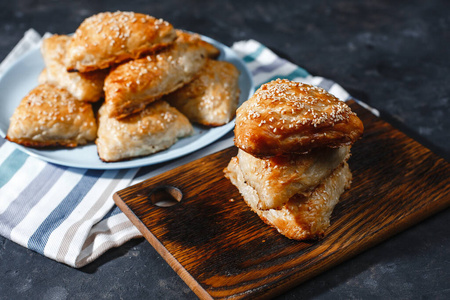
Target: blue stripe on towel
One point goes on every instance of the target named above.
(114, 211)
(40, 237)
(252, 56)
(28, 198)
(11, 165)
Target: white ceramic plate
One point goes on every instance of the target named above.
(22, 76)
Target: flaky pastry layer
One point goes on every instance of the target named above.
(276, 179)
(83, 86)
(153, 129)
(301, 217)
(211, 51)
(212, 97)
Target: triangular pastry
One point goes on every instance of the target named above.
(292, 117)
(83, 86)
(153, 129)
(51, 116)
(107, 39)
(131, 86)
(212, 97)
(276, 179)
(301, 217)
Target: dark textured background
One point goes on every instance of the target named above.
(394, 55)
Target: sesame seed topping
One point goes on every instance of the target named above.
(295, 104)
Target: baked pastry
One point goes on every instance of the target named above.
(51, 116)
(106, 39)
(131, 86)
(42, 78)
(153, 129)
(291, 117)
(276, 179)
(302, 217)
(291, 168)
(211, 51)
(212, 97)
(83, 86)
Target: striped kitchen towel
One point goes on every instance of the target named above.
(68, 214)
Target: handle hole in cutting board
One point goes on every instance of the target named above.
(165, 196)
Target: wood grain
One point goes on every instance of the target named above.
(221, 249)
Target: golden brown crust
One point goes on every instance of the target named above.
(211, 51)
(131, 86)
(212, 97)
(51, 116)
(276, 179)
(290, 117)
(301, 217)
(155, 128)
(83, 86)
(106, 39)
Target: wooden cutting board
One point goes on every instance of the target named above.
(221, 249)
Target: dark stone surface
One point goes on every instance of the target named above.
(394, 55)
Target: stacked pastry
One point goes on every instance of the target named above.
(138, 64)
(294, 141)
